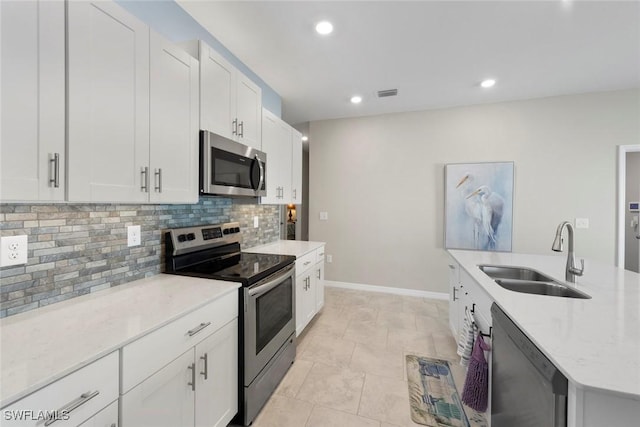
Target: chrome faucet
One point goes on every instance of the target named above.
(572, 271)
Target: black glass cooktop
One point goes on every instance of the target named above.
(246, 268)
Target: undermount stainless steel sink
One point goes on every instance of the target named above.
(519, 273)
(526, 280)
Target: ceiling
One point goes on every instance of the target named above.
(434, 53)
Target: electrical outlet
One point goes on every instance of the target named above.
(582, 222)
(329, 258)
(256, 221)
(13, 250)
(133, 235)
(324, 216)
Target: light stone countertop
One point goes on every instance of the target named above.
(594, 342)
(43, 345)
(296, 248)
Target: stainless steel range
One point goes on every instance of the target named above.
(266, 342)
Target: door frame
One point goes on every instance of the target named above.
(622, 183)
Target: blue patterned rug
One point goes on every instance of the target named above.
(433, 397)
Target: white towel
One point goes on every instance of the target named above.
(468, 345)
(467, 323)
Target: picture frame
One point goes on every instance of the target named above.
(479, 206)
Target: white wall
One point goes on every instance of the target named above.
(381, 180)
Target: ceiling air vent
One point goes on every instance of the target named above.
(388, 92)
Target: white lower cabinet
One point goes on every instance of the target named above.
(72, 400)
(108, 417)
(198, 388)
(165, 399)
(309, 287)
(217, 377)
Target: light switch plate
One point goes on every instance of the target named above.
(582, 222)
(329, 258)
(133, 235)
(13, 250)
(324, 216)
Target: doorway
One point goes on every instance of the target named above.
(628, 193)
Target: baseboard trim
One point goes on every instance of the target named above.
(387, 290)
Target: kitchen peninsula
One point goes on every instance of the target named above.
(594, 342)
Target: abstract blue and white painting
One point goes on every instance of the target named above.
(479, 206)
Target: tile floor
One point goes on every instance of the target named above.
(349, 370)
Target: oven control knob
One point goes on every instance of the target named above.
(226, 231)
(182, 238)
(236, 230)
(191, 236)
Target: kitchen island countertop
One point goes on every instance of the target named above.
(594, 342)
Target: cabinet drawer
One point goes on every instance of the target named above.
(74, 398)
(150, 353)
(305, 262)
(320, 254)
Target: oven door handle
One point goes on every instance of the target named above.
(270, 284)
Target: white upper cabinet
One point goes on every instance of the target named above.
(296, 167)
(108, 104)
(32, 142)
(174, 91)
(276, 142)
(230, 103)
(283, 145)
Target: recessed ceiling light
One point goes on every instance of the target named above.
(305, 138)
(356, 99)
(324, 27)
(488, 83)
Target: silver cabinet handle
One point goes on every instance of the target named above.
(198, 328)
(307, 263)
(322, 254)
(234, 131)
(319, 273)
(144, 179)
(205, 373)
(55, 179)
(261, 173)
(158, 180)
(295, 194)
(454, 294)
(241, 126)
(451, 266)
(84, 398)
(193, 377)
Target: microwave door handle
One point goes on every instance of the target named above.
(261, 173)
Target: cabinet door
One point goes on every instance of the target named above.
(305, 300)
(284, 162)
(33, 100)
(319, 284)
(166, 399)
(454, 296)
(249, 112)
(108, 103)
(108, 417)
(173, 123)
(217, 383)
(296, 167)
(217, 93)
(270, 146)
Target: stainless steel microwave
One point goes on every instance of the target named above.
(229, 168)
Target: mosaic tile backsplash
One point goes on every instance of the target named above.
(75, 249)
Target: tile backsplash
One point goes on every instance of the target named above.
(75, 249)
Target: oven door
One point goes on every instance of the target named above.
(230, 168)
(269, 319)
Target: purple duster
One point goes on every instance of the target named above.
(475, 393)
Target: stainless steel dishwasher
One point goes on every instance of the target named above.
(527, 389)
